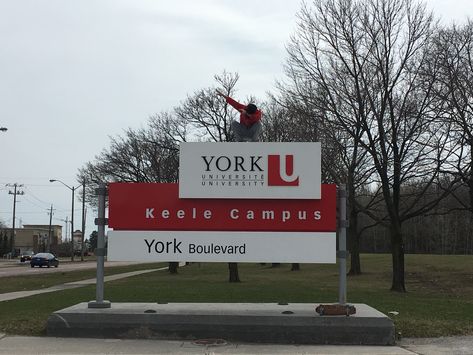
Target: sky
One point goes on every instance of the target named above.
(75, 73)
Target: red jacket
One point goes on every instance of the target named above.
(245, 119)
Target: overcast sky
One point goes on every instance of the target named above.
(73, 73)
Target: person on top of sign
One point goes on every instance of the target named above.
(249, 128)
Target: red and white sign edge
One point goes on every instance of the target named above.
(220, 246)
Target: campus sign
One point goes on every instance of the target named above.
(151, 223)
(235, 202)
(249, 170)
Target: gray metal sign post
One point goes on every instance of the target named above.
(100, 222)
(342, 244)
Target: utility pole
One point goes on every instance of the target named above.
(83, 222)
(67, 228)
(15, 192)
(50, 224)
(72, 225)
(73, 188)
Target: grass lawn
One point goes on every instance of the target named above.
(438, 302)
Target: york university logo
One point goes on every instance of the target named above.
(233, 171)
(259, 170)
(281, 174)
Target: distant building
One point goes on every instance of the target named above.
(34, 237)
(77, 237)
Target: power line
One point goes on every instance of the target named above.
(42, 208)
(33, 203)
(33, 195)
(24, 212)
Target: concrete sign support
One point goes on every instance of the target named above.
(101, 221)
(342, 244)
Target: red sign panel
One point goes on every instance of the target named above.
(155, 206)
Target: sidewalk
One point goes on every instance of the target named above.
(20, 294)
(13, 345)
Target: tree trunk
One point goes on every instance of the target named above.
(233, 272)
(173, 266)
(354, 244)
(397, 251)
(355, 263)
(295, 267)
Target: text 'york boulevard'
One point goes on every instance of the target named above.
(177, 247)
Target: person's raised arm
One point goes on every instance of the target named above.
(235, 104)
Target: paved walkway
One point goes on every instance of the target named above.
(20, 294)
(13, 345)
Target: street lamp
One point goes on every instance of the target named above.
(73, 188)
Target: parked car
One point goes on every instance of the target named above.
(44, 259)
(26, 256)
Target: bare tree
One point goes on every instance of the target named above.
(210, 119)
(366, 58)
(453, 51)
(296, 116)
(151, 154)
(343, 160)
(207, 115)
(144, 155)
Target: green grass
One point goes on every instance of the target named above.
(438, 302)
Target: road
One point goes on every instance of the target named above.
(15, 268)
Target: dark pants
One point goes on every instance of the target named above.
(246, 134)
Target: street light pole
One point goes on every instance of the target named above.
(83, 222)
(49, 231)
(73, 188)
(72, 225)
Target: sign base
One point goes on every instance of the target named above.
(293, 323)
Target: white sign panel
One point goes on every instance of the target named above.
(249, 170)
(271, 247)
